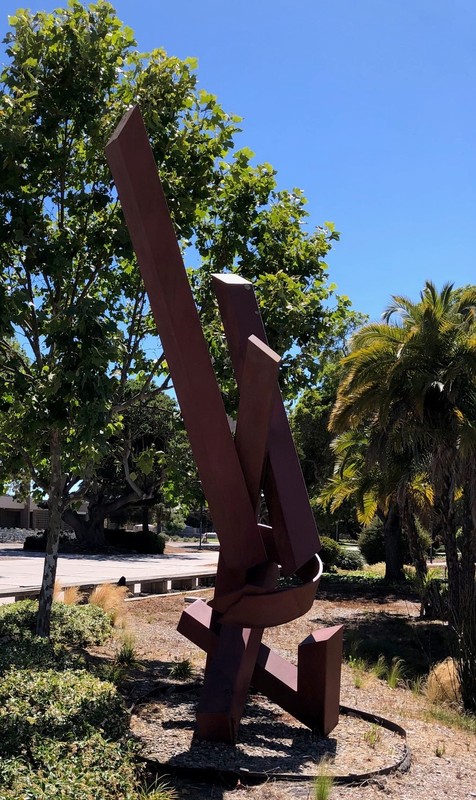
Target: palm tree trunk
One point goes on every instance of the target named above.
(467, 597)
(415, 543)
(392, 535)
(444, 481)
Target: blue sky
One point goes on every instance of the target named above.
(367, 105)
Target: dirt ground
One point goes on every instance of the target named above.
(443, 762)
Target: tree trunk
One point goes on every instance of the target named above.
(87, 531)
(91, 531)
(392, 534)
(54, 528)
(145, 519)
(415, 543)
(467, 599)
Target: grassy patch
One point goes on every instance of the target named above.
(380, 636)
(181, 670)
(451, 717)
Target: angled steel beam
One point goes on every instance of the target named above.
(148, 220)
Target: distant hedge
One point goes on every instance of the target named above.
(139, 542)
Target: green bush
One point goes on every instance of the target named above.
(76, 626)
(59, 705)
(37, 542)
(350, 559)
(74, 770)
(34, 652)
(371, 543)
(149, 543)
(330, 552)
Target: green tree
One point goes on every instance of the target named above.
(149, 463)
(383, 485)
(310, 426)
(74, 317)
(414, 382)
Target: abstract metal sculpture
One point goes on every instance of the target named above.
(233, 473)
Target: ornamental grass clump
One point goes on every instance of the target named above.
(70, 595)
(443, 685)
(110, 598)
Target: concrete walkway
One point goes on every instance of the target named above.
(21, 572)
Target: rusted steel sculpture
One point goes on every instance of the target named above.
(233, 473)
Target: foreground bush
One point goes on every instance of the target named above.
(91, 769)
(59, 705)
(35, 652)
(76, 626)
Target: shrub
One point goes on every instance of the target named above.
(37, 541)
(434, 597)
(330, 552)
(58, 705)
(150, 543)
(371, 542)
(73, 625)
(74, 770)
(372, 545)
(34, 652)
(350, 559)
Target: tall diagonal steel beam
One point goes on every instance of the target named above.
(142, 199)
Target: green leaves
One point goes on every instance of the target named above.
(70, 293)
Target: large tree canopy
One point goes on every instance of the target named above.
(74, 320)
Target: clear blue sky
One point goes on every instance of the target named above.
(367, 105)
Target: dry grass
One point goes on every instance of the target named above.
(58, 593)
(111, 599)
(443, 683)
(70, 595)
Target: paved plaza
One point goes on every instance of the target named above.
(23, 570)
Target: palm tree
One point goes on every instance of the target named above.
(412, 380)
(384, 487)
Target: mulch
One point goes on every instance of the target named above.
(443, 761)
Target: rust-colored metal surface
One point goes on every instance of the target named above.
(148, 220)
(286, 496)
(234, 472)
(310, 691)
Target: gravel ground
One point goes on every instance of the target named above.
(443, 758)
